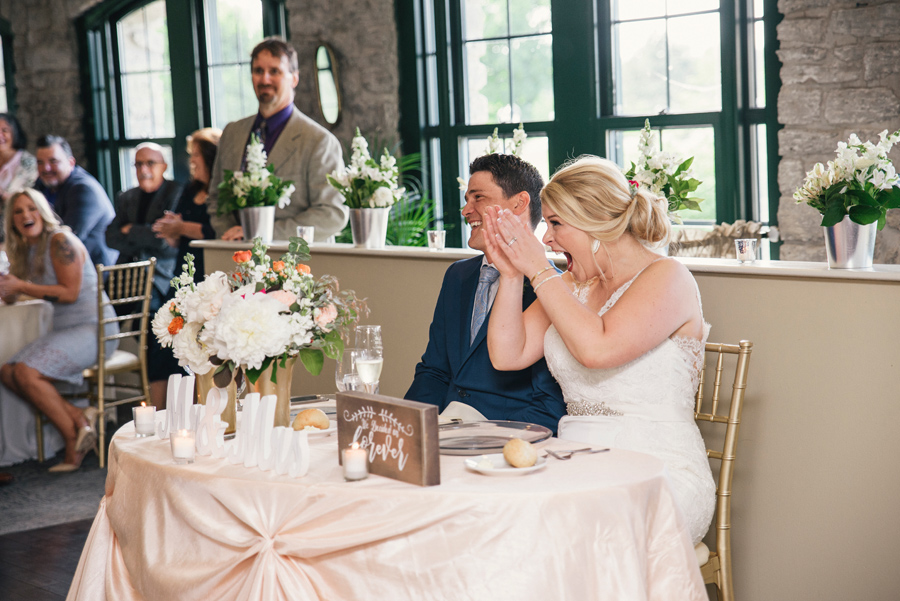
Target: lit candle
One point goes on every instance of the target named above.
(356, 464)
(183, 446)
(144, 420)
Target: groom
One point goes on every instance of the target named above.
(456, 365)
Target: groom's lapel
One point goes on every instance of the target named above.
(467, 288)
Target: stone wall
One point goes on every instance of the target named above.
(840, 75)
(48, 79)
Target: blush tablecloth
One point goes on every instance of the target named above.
(20, 324)
(601, 526)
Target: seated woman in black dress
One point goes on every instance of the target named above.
(190, 221)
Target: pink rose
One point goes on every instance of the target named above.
(325, 316)
(284, 297)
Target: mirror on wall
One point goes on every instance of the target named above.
(327, 84)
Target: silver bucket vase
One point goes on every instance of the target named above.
(258, 222)
(369, 227)
(850, 245)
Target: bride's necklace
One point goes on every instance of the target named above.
(582, 289)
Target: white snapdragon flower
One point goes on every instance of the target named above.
(285, 198)
(256, 156)
(495, 145)
(519, 137)
(388, 162)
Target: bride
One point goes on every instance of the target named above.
(622, 330)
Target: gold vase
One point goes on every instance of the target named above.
(281, 389)
(205, 384)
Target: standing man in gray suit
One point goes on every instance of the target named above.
(297, 147)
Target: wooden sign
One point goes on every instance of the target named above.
(400, 436)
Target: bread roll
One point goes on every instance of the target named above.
(519, 453)
(313, 418)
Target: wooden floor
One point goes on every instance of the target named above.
(38, 565)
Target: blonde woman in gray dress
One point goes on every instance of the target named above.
(49, 262)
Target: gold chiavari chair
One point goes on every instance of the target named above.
(715, 565)
(128, 286)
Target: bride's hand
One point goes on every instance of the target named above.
(493, 250)
(515, 241)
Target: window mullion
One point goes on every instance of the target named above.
(182, 28)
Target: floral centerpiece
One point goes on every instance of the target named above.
(861, 182)
(260, 317)
(257, 186)
(365, 183)
(664, 175)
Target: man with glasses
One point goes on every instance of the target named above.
(78, 198)
(137, 209)
(299, 149)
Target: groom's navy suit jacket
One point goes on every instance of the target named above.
(453, 370)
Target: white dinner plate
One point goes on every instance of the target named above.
(501, 467)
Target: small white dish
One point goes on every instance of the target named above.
(499, 466)
(313, 433)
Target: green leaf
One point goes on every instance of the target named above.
(864, 215)
(834, 212)
(690, 203)
(892, 198)
(312, 360)
(333, 344)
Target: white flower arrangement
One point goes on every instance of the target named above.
(365, 183)
(861, 182)
(664, 174)
(257, 186)
(264, 311)
(495, 146)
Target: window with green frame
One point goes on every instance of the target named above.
(583, 76)
(7, 69)
(157, 70)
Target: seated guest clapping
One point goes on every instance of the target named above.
(455, 367)
(622, 330)
(48, 261)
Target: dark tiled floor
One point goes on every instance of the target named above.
(38, 565)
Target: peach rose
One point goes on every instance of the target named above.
(284, 297)
(303, 268)
(325, 316)
(278, 266)
(242, 256)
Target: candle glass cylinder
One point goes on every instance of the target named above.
(745, 249)
(356, 464)
(144, 421)
(436, 239)
(183, 446)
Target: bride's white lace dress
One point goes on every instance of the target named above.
(646, 405)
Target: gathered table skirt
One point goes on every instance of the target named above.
(21, 324)
(601, 526)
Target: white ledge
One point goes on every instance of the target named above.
(730, 267)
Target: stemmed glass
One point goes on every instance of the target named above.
(370, 359)
(345, 375)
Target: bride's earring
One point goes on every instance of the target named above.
(595, 246)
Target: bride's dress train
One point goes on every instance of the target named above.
(646, 405)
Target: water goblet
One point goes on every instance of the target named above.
(346, 378)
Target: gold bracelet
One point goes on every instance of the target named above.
(545, 280)
(547, 268)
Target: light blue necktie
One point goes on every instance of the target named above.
(488, 276)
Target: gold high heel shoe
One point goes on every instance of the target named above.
(87, 435)
(64, 468)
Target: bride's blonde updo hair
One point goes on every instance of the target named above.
(592, 194)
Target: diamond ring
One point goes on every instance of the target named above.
(511, 242)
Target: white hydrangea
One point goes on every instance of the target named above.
(203, 304)
(190, 351)
(383, 197)
(249, 329)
